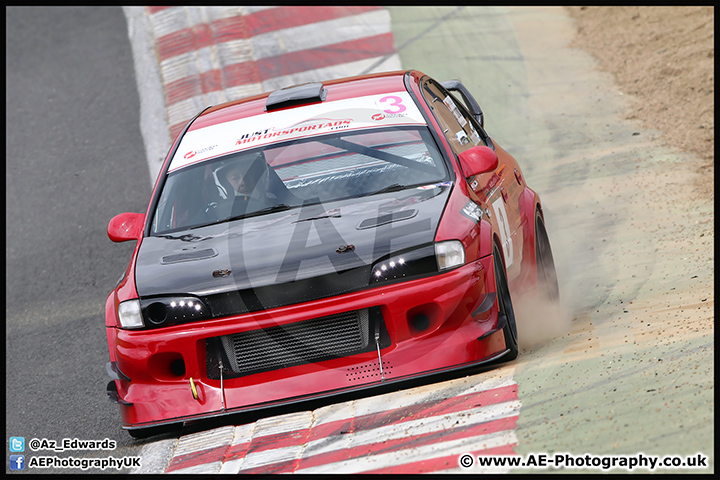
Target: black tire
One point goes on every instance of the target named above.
(505, 308)
(548, 288)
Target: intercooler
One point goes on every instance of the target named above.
(282, 346)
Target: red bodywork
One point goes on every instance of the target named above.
(159, 394)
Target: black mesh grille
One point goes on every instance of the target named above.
(310, 341)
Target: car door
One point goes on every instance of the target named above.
(500, 190)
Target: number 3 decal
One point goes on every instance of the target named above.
(394, 103)
(505, 237)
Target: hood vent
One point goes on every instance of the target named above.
(188, 256)
(387, 218)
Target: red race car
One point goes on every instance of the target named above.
(322, 238)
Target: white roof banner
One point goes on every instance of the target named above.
(372, 111)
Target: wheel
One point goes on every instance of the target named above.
(506, 313)
(547, 276)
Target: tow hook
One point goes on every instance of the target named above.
(377, 344)
(193, 389)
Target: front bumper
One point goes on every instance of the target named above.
(162, 375)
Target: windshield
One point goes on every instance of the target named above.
(289, 174)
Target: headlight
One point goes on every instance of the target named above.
(130, 314)
(406, 264)
(160, 312)
(449, 254)
(420, 261)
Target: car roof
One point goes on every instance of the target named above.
(337, 89)
(354, 103)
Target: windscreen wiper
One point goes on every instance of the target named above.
(395, 187)
(275, 208)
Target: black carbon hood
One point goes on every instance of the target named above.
(292, 256)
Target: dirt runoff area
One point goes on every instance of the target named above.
(663, 57)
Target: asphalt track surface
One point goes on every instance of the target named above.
(601, 379)
(74, 154)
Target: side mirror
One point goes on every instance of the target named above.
(477, 160)
(126, 226)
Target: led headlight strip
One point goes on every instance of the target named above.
(160, 312)
(424, 260)
(170, 310)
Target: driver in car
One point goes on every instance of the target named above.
(235, 175)
(248, 180)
